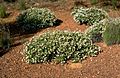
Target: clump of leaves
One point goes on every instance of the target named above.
(112, 32)
(59, 47)
(89, 16)
(95, 31)
(2, 11)
(36, 18)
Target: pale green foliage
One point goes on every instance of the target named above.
(36, 18)
(112, 32)
(89, 16)
(60, 46)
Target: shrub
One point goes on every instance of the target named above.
(114, 3)
(60, 46)
(112, 32)
(22, 5)
(4, 38)
(95, 31)
(89, 16)
(2, 11)
(93, 1)
(35, 18)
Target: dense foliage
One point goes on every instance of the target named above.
(89, 16)
(60, 46)
(95, 31)
(35, 18)
(112, 32)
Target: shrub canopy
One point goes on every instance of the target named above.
(89, 16)
(60, 46)
(35, 18)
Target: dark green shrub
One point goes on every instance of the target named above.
(95, 31)
(2, 11)
(89, 16)
(112, 32)
(4, 38)
(59, 46)
(36, 18)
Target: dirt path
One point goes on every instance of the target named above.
(105, 65)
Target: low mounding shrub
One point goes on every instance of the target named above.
(112, 32)
(95, 31)
(89, 16)
(60, 46)
(35, 18)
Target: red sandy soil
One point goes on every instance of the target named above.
(105, 65)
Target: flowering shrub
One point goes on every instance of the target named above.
(95, 31)
(89, 16)
(35, 18)
(60, 46)
(112, 32)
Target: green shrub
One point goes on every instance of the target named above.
(95, 31)
(4, 38)
(22, 5)
(93, 1)
(112, 32)
(89, 16)
(59, 46)
(36, 18)
(2, 11)
(114, 3)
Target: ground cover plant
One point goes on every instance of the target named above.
(36, 18)
(112, 32)
(59, 47)
(89, 16)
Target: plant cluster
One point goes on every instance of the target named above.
(112, 32)
(2, 11)
(35, 18)
(4, 38)
(89, 16)
(60, 46)
(95, 31)
(22, 5)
